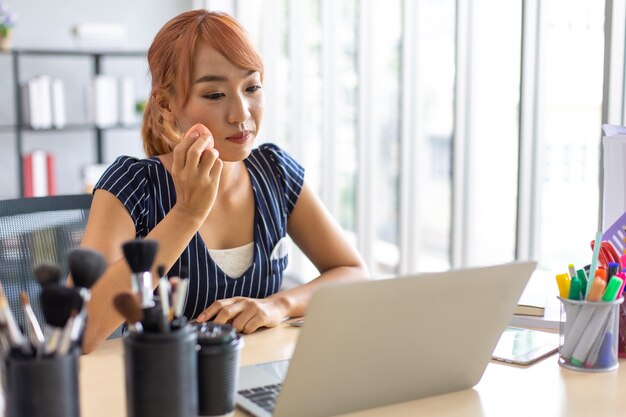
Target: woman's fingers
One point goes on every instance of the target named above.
(190, 145)
(245, 314)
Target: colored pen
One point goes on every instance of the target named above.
(607, 356)
(597, 288)
(582, 276)
(575, 289)
(571, 270)
(596, 322)
(594, 258)
(622, 275)
(563, 281)
(613, 269)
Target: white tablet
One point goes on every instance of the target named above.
(525, 346)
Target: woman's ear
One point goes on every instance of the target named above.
(165, 108)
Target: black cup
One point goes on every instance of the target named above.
(42, 387)
(218, 368)
(161, 373)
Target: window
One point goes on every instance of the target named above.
(441, 133)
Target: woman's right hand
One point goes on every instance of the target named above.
(196, 170)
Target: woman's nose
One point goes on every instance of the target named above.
(239, 110)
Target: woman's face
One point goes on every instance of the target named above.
(226, 99)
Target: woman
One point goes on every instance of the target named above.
(217, 207)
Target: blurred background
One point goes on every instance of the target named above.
(440, 133)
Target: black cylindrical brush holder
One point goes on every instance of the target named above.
(218, 368)
(161, 373)
(42, 387)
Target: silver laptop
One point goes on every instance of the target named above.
(375, 343)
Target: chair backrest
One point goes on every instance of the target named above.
(35, 231)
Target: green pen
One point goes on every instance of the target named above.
(582, 276)
(612, 288)
(575, 289)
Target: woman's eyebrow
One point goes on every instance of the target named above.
(219, 78)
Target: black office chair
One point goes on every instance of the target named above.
(35, 231)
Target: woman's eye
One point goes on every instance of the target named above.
(213, 96)
(253, 89)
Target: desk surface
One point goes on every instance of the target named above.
(543, 389)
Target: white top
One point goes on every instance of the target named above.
(234, 262)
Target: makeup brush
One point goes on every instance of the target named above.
(173, 281)
(34, 329)
(164, 298)
(140, 254)
(16, 338)
(179, 298)
(65, 341)
(127, 304)
(48, 274)
(57, 303)
(86, 266)
(5, 346)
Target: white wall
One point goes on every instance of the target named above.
(44, 24)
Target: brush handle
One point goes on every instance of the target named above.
(16, 338)
(34, 330)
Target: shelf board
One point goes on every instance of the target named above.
(71, 127)
(77, 52)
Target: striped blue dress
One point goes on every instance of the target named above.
(147, 191)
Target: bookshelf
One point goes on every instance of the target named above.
(19, 127)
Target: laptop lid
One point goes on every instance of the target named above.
(373, 343)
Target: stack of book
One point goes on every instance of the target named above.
(43, 102)
(39, 174)
(112, 101)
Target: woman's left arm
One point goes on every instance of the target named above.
(322, 240)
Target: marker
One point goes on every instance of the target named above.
(607, 356)
(582, 276)
(563, 281)
(611, 293)
(602, 273)
(622, 260)
(575, 289)
(578, 319)
(594, 259)
(612, 269)
(596, 323)
(622, 275)
(571, 270)
(597, 289)
(574, 331)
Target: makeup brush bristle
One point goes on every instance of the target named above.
(48, 274)
(140, 254)
(86, 266)
(58, 302)
(161, 271)
(129, 307)
(24, 298)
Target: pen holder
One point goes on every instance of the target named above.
(621, 343)
(218, 368)
(42, 387)
(589, 335)
(161, 373)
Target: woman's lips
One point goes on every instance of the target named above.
(239, 138)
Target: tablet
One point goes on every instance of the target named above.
(525, 346)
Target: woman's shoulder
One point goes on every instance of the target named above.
(274, 155)
(126, 169)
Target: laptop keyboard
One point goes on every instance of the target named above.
(265, 397)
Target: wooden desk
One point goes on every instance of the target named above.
(543, 389)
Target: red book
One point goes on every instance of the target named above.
(27, 172)
(50, 168)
